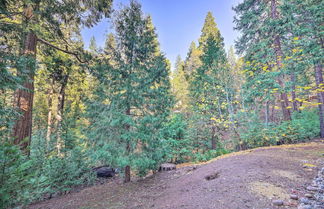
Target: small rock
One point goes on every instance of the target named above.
(104, 171)
(294, 197)
(278, 202)
(305, 201)
(304, 207)
(313, 189)
(212, 176)
(309, 195)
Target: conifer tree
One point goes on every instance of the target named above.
(261, 42)
(180, 86)
(206, 88)
(93, 45)
(138, 98)
(303, 21)
(209, 30)
(192, 61)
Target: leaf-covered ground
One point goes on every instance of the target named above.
(248, 179)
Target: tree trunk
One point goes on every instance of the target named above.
(127, 167)
(59, 116)
(293, 91)
(49, 114)
(230, 106)
(127, 174)
(279, 55)
(272, 114)
(22, 128)
(213, 139)
(267, 113)
(284, 101)
(320, 95)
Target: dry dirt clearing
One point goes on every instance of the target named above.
(248, 179)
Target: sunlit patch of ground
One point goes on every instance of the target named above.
(287, 174)
(289, 147)
(268, 190)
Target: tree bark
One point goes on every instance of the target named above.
(127, 167)
(49, 114)
(320, 95)
(267, 113)
(60, 112)
(213, 139)
(293, 91)
(279, 55)
(22, 128)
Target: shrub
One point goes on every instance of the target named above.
(25, 179)
(178, 147)
(210, 154)
(302, 127)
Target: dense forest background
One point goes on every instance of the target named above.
(65, 110)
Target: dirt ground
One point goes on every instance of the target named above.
(248, 179)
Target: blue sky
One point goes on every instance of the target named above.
(178, 23)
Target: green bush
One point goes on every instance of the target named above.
(302, 127)
(178, 147)
(209, 154)
(25, 179)
(14, 175)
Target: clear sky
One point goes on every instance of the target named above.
(178, 23)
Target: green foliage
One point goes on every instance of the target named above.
(25, 179)
(302, 127)
(115, 108)
(208, 98)
(180, 86)
(209, 154)
(14, 175)
(133, 99)
(178, 144)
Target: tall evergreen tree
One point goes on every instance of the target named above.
(207, 90)
(180, 86)
(209, 30)
(192, 61)
(303, 21)
(138, 99)
(93, 45)
(261, 42)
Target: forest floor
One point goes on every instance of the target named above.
(241, 180)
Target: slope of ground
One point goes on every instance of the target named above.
(248, 179)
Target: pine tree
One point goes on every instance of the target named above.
(93, 45)
(261, 42)
(138, 98)
(192, 61)
(206, 87)
(209, 30)
(180, 86)
(110, 44)
(303, 21)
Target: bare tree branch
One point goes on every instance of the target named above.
(75, 54)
